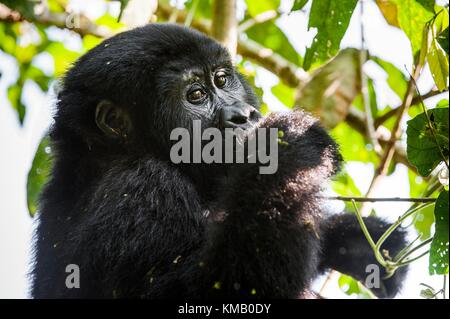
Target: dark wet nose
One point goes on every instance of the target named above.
(241, 115)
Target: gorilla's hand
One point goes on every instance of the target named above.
(307, 157)
(345, 249)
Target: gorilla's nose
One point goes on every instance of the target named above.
(242, 115)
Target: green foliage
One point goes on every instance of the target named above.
(412, 15)
(438, 61)
(332, 88)
(423, 222)
(298, 5)
(395, 78)
(351, 287)
(353, 146)
(25, 7)
(15, 97)
(423, 147)
(123, 5)
(202, 8)
(38, 174)
(439, 246)
(257, 7)
(330, 30)
(270, 36)
(443, 40)
(285, 94)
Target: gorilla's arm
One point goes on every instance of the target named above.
(345, 249)
(268, 241)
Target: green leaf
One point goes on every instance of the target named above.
(396, 79)
(332, 88)
(57, 5)
(62, 57)
(331, 18)
(111, 22)
(25, 7)
(389, 11)
(38, 174)
(348, 285)
(298, 5)
(344, 185)
(351, 286)
(412, 16)
(123, 5)
(423, 222)
(439, 246)
(90, 41)
(285, 94)
(372, 97)
(428, 293)
(353, 146)
(269, 35)
(422, 148)
(203, 9)
(259, 6)
(438, 61)
(15, 98)
(443, 40)
(442, 103)
(36, 74)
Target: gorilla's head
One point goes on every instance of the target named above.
(133, 89)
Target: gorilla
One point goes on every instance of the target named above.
(136, 225)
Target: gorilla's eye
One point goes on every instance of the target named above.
(196, 95)
(220, 79)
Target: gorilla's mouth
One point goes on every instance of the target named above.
(230, 145)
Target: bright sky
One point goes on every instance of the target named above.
(18, 144)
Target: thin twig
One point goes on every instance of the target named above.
(394, 226)
(364, 88)
(407, 262)
(258, 19)
(416, 100)
(396, 132)
(406, 255)
(225, 24)
(381, 199)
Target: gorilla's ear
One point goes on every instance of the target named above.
(113, 120)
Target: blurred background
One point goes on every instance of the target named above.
(365, 68)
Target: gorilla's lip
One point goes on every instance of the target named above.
(247, 126)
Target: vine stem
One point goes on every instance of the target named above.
(369, 238)
(394, 226)
(410, 252)
(407, 262)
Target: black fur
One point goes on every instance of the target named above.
(139, 226)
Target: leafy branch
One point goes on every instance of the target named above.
(389, 265)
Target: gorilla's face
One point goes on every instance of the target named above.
(201, 83)
(214, 94)
(138, 86)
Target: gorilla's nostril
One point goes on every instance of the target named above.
(238, 119)
(255, 115)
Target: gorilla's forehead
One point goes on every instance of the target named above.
(142, 55)
(172, 43)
